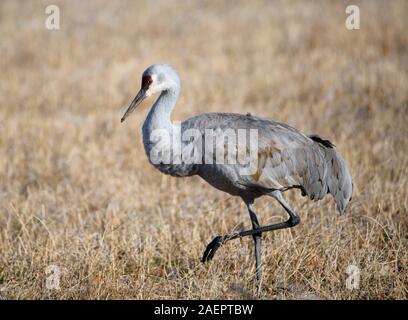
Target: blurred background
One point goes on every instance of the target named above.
(77, 191)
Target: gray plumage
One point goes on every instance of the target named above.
(286, 158)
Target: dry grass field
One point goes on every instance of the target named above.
(77, 191)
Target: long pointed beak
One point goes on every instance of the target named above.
(141, 95)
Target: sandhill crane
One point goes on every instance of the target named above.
(287, 159)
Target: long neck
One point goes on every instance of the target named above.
(159, 116)
(161, 151)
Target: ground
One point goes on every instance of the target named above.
(80, 203)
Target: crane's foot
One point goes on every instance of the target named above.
(212, 247)
(217, 242)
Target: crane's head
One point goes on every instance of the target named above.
(156, 78)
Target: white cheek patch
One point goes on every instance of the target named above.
(154, 79)
(153, 87)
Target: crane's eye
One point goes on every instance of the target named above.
(146, 81)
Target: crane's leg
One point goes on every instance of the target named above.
(220, 240)
(257, 240)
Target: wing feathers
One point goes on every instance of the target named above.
(314, 165)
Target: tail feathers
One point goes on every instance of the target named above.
(336, 179)
(339, 182)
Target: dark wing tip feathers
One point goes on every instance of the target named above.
(323, 142)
